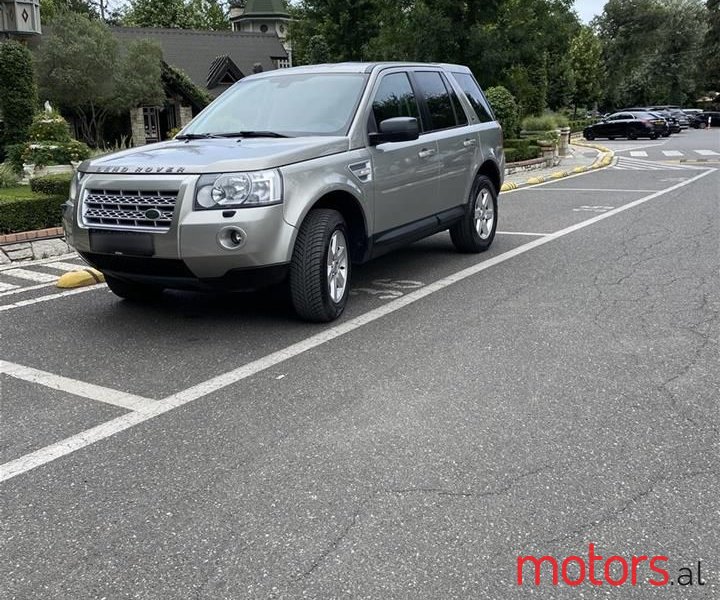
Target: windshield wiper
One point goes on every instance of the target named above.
(252, 134)
(196, 136)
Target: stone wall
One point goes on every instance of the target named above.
(185, 115)
(137, 127)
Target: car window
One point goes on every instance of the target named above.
(475, 96)
(437, 99)
(395, 98)
(460, 116)
(291, 104)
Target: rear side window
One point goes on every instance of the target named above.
(395, 98)
(475, 96)
(437, 98)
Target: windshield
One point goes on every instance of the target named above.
(289, 105)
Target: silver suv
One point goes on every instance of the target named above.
(295, 175)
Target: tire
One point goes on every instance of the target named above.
(654, 136)
(133, 291)
(611, 137)
(476, 231)
(320, 268)
(589, 136)
(632, 136)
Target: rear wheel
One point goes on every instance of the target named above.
(132, 290)
(320, 267)
(590, 136)
(632, 136)
(476, 231)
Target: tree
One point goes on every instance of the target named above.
(505, 108)
(18, 97)
(80, 70)
(652, 50)
(712, 46)
(177, 14)
(587, 65)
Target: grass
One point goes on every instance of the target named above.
(17, 192)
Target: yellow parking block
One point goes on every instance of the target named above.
(559, 174)
(580, 169)
(508, 185)
(75, 279)
(535, 180)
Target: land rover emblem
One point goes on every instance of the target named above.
(152, 214)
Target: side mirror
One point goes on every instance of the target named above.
(397, 129)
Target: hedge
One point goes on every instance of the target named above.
(52, 185)
(32, 212)
(19, 92)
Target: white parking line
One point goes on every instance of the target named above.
(105, 430)
(30, 275)
(522, 233)
(28, 288)
(559, 189)
(47, 298)
(4, 287)
(707, 153)
(639, 153)
(672, 153)
(75, 387)
(64, 266)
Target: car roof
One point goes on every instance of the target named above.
(360, 67)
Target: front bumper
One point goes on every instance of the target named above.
(194, 252)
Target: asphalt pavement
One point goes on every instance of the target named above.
(558, 391)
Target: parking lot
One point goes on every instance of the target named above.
(558, 390)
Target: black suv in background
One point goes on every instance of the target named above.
(627, 124)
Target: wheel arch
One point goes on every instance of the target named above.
(351, 210)
(490, 170)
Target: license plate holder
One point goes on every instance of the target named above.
(128, 243)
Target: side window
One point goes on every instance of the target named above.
(460, 116)
(395, 98)
(437, 99)
(475, 96)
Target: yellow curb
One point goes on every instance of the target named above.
(559, 175)
(580, 169)
(508, 185)
(75, 279)
(535, 180)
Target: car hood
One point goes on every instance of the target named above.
(215, 155)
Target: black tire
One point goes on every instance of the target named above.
(654, 136)
(611, 137)
(464, 234)
(632, 136)
(133, 291)
(589, 136)
(310, 287)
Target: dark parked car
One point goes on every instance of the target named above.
(672, 120)
(631, 125)
(709, 118)
(661, 125)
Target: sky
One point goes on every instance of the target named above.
(587, 9)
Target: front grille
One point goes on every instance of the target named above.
(125, 209)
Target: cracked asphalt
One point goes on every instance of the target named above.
(563, 397)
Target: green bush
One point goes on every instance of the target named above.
(29, 213)
(511, 155)
(49, 127)
(580, 124)
(54, 153)
(14, 156)
(8, 177)
(505, 108)
(526, 152)
(19, 93)
(52, 185)
(546, 122)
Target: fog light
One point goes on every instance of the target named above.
(231, 238)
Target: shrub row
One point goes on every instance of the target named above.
(521, 149)
(33, 212)
(580, 124)
(52, 185)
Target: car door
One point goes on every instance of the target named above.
(405, 174)
(458, 144)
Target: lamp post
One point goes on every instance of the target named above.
(19, 19)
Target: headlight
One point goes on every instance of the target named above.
(238, 190)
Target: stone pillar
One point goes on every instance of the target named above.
(137, 127)
(185, 115)
(564, 145)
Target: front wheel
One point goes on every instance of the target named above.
(589, 136)
(132, 290)
(320, 267)
(477, 229)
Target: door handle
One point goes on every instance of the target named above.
(427, 152)
(470, 143)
